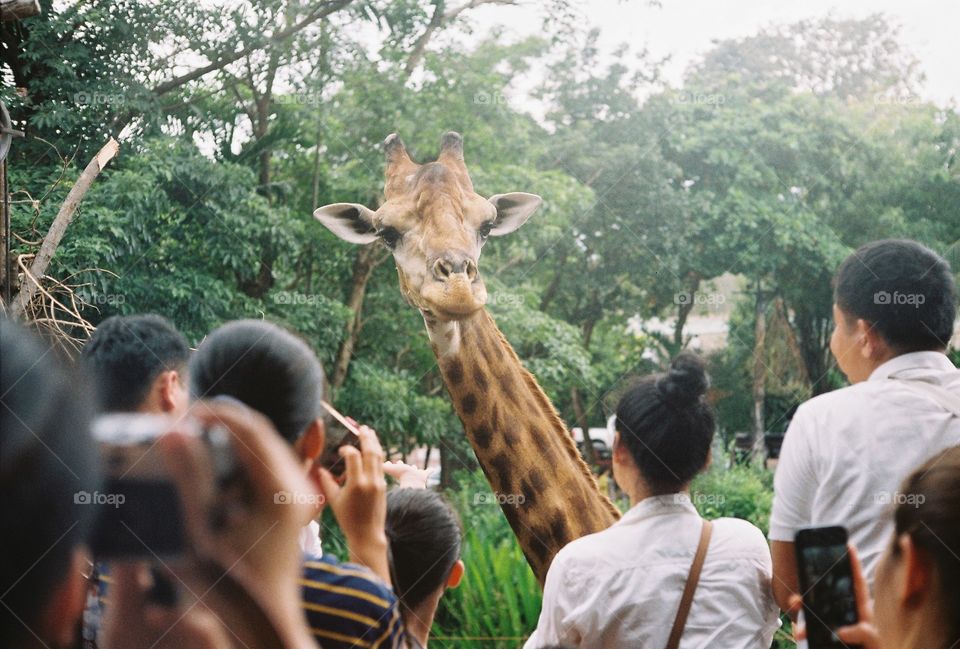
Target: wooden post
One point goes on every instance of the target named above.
(18, 9)
(50, 242)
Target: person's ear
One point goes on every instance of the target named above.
(310, 445)
(620, 451)
(871, 343)
(456, 574)
(918, 573)
(64, 607)
(172, 391)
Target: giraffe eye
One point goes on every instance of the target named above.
(390, 237)
(484, 230)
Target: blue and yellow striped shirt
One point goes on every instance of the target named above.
(348, 606)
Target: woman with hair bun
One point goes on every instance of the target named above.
(662, 576)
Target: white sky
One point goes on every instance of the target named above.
(930, 29)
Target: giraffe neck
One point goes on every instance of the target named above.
(546, 490)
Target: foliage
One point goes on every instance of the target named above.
(498, 601)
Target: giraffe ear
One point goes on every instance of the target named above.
(513, 210)
(349, 221)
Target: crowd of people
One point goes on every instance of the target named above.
(241, 429)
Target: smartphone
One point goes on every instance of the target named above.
(826, 583)
(331, 459)
(138, 512)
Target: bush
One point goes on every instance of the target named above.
(498, 601)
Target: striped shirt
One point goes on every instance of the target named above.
(348, 606)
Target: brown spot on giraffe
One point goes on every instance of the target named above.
(437, 225)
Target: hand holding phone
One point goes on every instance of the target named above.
(331, 459)
(827, 582)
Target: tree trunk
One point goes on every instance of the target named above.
(580, 414)
(363, 266)
(759, 369)
(684, 309)
(18, 9)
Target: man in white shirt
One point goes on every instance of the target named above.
(622, 587)
(846, 452)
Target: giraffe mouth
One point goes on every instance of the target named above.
(454, 300)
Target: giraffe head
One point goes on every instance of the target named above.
(435, 225)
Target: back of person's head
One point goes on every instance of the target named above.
(264, 366)
(667, 425)
(126, 354)
(425, 537)
(929, 512)
(904, 290)
(47, 458)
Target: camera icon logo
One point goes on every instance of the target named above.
(881, 297)
(82, 498)
(282, 498)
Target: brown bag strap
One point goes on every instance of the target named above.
(686, 600)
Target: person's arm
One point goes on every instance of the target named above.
(360, 505)
(794, 487)
(786, 584)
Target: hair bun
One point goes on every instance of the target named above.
(686, 380)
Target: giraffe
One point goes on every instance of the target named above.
(435, 225)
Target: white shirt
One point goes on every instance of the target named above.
(846, 452)
(620, 588)
(310, 539)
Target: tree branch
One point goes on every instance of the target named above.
(226, 59)
(59, 226)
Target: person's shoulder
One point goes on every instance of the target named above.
(347, 605)
(328, 576)
(745, 532)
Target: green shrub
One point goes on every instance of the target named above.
(498, 601)
(738, 492)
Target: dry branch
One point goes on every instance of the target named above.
(59, 226)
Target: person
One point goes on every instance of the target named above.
(917, 603)
(622, 587)
(45, 416)
(425, 539)
(138, 364)
(846, 451)
(45, 439)
(277, 374)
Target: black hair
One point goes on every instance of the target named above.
(667, 424)
(47, 458)
(904, 290)
(264, 366)
(126, 354)
(930, 514)
(425, 538)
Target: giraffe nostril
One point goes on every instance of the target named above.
(441, 269)
(471, 270)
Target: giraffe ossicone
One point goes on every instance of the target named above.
(435, 224)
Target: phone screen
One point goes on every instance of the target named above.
(826, 581)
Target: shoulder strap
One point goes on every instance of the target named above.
(686, 600)
(946, 399)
